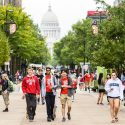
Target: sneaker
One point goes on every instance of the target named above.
(48, 119)
(63, 119)
(31, 118)
(5, 110)
(69, 117)
(52, 117)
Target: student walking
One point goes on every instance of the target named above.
(74, 86)
(66, 93)
(87, 79)
(5, 92)
(40, 77)
(114, 89)
(81, 82)
(49, 85)
(31, 91)
(101, 85)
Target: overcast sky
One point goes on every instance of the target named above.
(67, 11)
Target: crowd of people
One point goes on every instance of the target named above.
(42, 88)
(38, 87)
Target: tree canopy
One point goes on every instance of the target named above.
(105, 49)
(27, 42)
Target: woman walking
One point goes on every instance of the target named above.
(101, 89)
(114, 89)
(5, 92)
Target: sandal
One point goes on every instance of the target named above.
(116, 119)
(101, 104)
(113, 121)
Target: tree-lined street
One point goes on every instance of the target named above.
(91, 56)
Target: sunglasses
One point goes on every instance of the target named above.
(48, 70)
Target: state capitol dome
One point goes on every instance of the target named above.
(49, 16)
(50, 29)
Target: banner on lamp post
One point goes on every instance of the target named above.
(12, 28)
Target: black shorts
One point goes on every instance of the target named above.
(113, 97)
(101, 90)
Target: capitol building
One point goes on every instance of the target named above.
(50, 29)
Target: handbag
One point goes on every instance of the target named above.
(10, 86)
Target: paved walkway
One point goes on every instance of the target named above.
(84, 112)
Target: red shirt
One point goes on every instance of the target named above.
(64, 82)
(48, 83)
(75, 83)
(31, 85)
(87, 77)
(92, 76)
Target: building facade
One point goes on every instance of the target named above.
(50, 29)
(17, 3)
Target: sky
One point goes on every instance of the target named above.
(68, 11)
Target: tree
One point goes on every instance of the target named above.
(27, 44)
(105, 49)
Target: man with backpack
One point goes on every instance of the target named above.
(49, 85)
(66, 93)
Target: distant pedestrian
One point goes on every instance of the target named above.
(49, 85)
(40, 77)
(101, 88)
(74, 86)
(81, 82)
(107, 78)
(5, 92)
(31, 91)
(114, 89)
(87, 79)
(92, 79)
(17, 76)
(66, 94)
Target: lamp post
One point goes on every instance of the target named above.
(95, 27)
(10, 28)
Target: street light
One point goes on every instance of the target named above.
(95, 27)
(10, 26)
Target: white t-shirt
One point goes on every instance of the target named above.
(117, 87)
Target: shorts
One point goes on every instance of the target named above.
(101, 90)
(65, 98)
(109, 97)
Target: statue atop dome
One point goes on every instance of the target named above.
(50, 8)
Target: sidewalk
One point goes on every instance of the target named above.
(85, 111)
